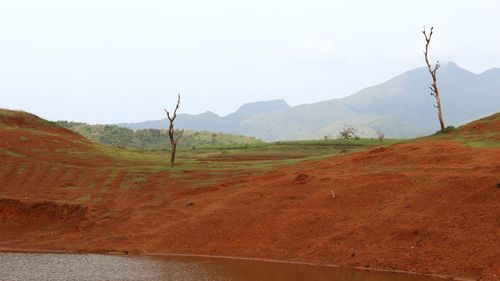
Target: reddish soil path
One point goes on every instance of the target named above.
(428, 206)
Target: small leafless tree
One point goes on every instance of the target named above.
(432, 71)
(380, 135)
(347, 132)
(174, 135)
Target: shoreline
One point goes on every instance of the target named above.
(269, 260)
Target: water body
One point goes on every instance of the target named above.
(78, 267)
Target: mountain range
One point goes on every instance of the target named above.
(401, 108)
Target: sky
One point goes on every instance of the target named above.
(107, 61)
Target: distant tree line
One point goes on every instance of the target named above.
(152, 139)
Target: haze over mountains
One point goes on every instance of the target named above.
(401, 108)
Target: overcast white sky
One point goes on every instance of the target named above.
(104, 61)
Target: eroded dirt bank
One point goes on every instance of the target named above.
(430, 206)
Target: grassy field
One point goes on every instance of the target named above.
(212, 165)
(261, 156)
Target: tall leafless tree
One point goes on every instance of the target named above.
(432, 71)
(174, 135)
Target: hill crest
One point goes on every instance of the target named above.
(400, 107)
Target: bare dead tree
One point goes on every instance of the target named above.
(174, 135)
(432, 71)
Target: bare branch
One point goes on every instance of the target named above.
(168, 115)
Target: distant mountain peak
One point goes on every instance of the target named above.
(276, 103)
(491, 71)
(208, 113)
(400, 107)
(260, 107)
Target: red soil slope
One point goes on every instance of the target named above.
(429, 205)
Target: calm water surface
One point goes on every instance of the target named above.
(66, 267)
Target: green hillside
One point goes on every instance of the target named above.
(400, 108)
(154, 139)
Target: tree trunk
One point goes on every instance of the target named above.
(440, 114)
(171, 132)
(172, 157)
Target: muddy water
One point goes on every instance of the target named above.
(59, 267)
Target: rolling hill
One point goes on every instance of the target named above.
(401, 108)
(428, 205)
(154, 139)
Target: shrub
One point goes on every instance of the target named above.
(451, 129)
(346, 133)
(447, 130)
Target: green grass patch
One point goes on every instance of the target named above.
(11, 153)
(477, 141)
(139, 179)
(84, 198)
(258, 157)
(132, 183)
(339, 142)
(239, 185)
(109, 180)
(481, 143)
